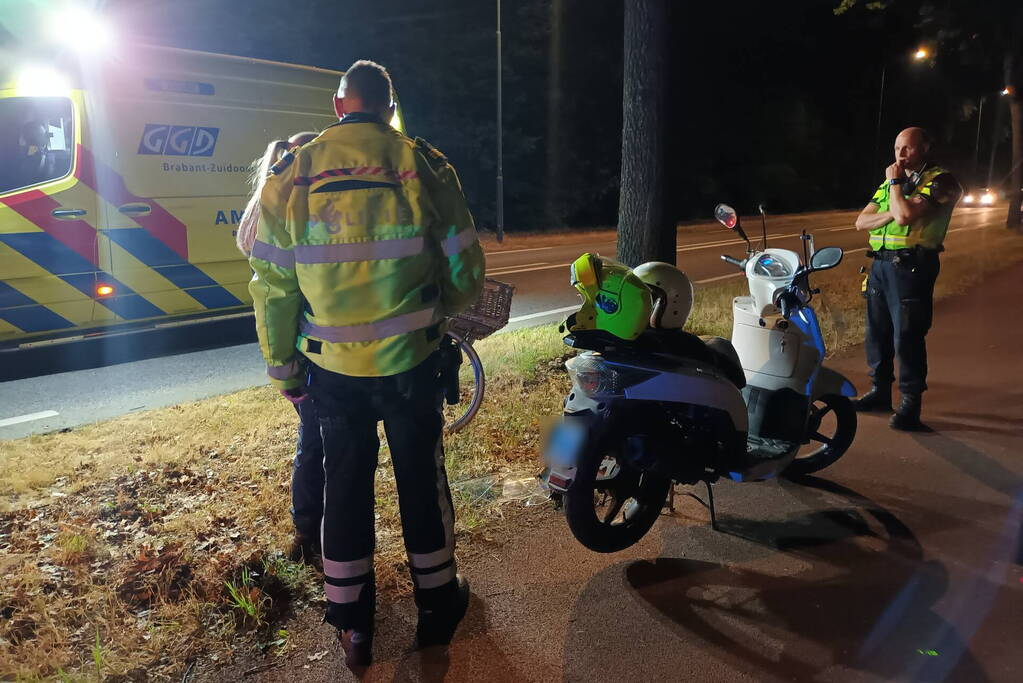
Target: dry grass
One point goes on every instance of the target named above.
(131, 546)
(130, 530)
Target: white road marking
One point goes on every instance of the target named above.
(690, 247)
(498, 270)
(7, 422)
(719, 277)
(512, 271)
(541, 314)
(705, 245)
(566, 309)
(519, 251)
(839, 229)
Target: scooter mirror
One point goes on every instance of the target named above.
(828, 257)
(726, 216)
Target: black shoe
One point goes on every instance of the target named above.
(907, 416)
(437, 626)
(877, 400)
(358, 648)
(305, 549)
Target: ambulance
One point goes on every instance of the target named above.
(123, 177)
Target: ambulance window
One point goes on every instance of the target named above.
(37, 141)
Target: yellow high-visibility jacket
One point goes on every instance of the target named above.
(364, 246)
(941, 190)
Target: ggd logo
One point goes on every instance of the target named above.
(181, 141)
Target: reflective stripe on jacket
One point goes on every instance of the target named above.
(364, 246)
(941, 190)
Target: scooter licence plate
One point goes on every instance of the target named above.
(564, 443)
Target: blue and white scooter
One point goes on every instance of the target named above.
(669, 408)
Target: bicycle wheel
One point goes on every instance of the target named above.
(471, 384)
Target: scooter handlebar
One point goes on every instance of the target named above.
(785, 306)
(734, 261)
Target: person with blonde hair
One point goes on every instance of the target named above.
(307, 468)
(276, 150)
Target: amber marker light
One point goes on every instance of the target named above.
(104, 290)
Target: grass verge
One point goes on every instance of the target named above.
(130, 547)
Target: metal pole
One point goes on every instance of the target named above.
(880, 109)
(976, 144)
(500, 136)
(994, 142)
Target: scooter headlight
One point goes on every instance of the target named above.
(592, 375)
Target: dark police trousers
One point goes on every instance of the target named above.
(900, 298)
(349, 409)
(307, 474)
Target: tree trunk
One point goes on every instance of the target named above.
(1014, 81)
(1015, 194)
(645, 233)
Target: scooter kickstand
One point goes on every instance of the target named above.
(710, 506)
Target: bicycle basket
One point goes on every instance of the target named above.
(487, 315)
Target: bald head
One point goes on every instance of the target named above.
(911, 148)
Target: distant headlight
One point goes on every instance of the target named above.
(988, 198)
(968, 199)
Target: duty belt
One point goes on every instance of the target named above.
(897, 255)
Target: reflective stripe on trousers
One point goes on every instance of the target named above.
(344, 581)
(437, 568)
(348, 409)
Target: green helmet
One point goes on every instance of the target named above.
(614, 299)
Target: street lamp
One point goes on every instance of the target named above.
(500, 137)
(976, 144)
(921, 54)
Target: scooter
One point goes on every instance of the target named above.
(671, 408)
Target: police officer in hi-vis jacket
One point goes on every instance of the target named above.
(907, 219)
(364, 247)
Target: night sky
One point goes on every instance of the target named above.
(772, 102)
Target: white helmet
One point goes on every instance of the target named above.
(673, 294)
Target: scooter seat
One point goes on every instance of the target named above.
(712, 350)
(726, 359)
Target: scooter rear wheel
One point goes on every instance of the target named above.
(610, 505)
(832, 428)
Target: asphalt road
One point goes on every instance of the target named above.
(901, 562)
(538, 269)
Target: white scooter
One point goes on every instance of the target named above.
(668, 407)
(777, 336)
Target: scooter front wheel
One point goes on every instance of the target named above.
(831, 430)
(611, 505)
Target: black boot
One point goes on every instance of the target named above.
(907, 416)
(358, 649)
(877, 400)
(437, 623)
(306, 549)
